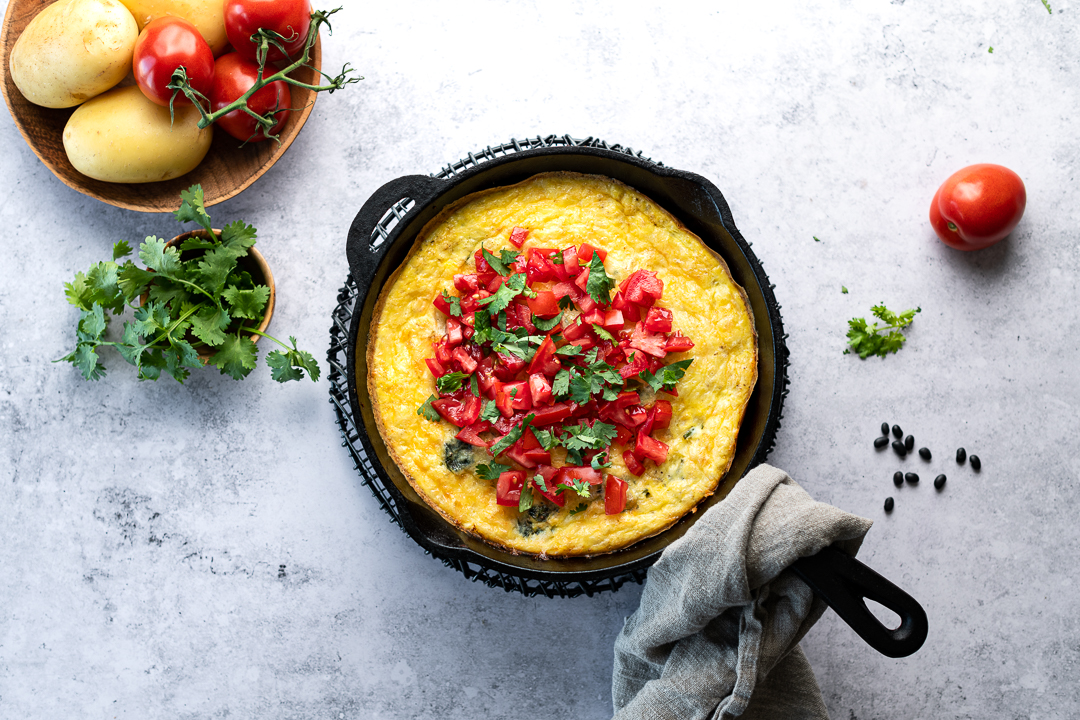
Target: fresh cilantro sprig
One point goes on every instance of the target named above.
(450, 382)
(599, 284)
(666, 377)
(511, 437)
(879, 340)
(491, 471)
(197, 297)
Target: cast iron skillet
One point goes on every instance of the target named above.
(840, 580)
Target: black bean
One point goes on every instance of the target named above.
(961, 455)
(881, 442)
(888, 504)
(939, 482)
(898, 478)
(899, 448)
(975, 462)
(912, 478)
(924, 453)
(884, 428)
(909, 443)
(897, 432)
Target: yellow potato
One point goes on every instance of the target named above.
(206, 15)
(122, 137)
(72, 51)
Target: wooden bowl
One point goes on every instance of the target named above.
(225, 171)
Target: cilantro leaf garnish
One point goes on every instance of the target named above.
(546, 325)
(546, 438)
(509, 290)
(581, 487)
(428, 411)
(870, 340)
(584, 437)
(291, 364)
(566, 303)
(491, 471)
(599, 284)
(496, 264)
(560, 386)
(668, 376)
(600, 461)
(603, 334)
(450, 382)
(540, 482)
(526, 500)
(511, 437)
(582, 507)
(569, 350)
(474, 386)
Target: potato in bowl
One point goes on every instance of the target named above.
(665, 472)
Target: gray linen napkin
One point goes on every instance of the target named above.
(717, 632)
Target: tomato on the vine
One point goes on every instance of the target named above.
(234, 76)
(978, 206)
(289, 18)
(165, 44)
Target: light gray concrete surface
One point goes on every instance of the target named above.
(207, 551)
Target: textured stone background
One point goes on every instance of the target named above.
(206, 551)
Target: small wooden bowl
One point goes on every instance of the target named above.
(225, 171)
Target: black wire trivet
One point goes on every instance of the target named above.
(337, 356)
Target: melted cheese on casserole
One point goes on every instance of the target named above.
(560, 209)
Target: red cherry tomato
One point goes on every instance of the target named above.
(978, 206)
(289, 18)
(234, 76)
(165, 44)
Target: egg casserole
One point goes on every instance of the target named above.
(559, 210)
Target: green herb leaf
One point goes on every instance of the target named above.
(582, 507)
(583, 437)
(599, 284)
(546, 325)
(496, 264)
(525, 502)
(192, 208)
(292, 364)
(120, 249)
(236, 357)
(869, 340)
(454, 302)
(428, 411)
(450, 382)
(560, 386)
(668, 376)
(491, 471)
(505, 294)
(581, 487)
(247, 304)
(490, 411)
(602, 333)
(546, 438)
(569, 350)
(511, 437)
(843, 290)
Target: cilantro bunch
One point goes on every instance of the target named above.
(874, 340)
(187, 301)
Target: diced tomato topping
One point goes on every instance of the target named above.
(623, 435)
(576, 330)
(467, 283)
(494, 284)
(635, 366)
(630, 311)
(453, 332)
(663, 414)
(517, 236)
(443, 354)
(586, 343)
(648, 342)
(570, 261)
(549, 474)
(442, 304)
(614, 495)
(435, 367)
(539, 269)
(613, 320)
(580, 472)
(658, 320)
(632, 463)
(545, 304)
(582, 279)
(678, 343)
(507, 365)
(505, 424)
(471, 434)
(552, 414)
(458, 413)
(509, 486)
(468, 364)
(545, 361)
(586, 303)
(644, 288)
(594, 317)
(647, 447)
(539, 388)
(585, 252)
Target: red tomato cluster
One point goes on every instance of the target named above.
(630, 335)
(168, 43)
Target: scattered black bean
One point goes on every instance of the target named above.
(898, 478)
(881, 442)
(897, 432)
(899, 448)
(939, 482)
(924, 453)
(888, 504)
(975, 462)
(884, 428)
(961, 455)
(909, 443)
(912, 478)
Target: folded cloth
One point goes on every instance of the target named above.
(721, 616)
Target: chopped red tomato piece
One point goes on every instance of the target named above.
(552, 414)
(467, 282)
(630, 311)
(539, 388)
(442, 304)
(658, 320)
(663, 414)
(644, 288)
(576, 330)
(570, 261)
(467, 363)
(585, 252)
(545, 361)
(648, 342)
(548, 474)
(508, 487)
(435, 367)
(456, 412)
(482, 265)
(580, 472)
(453, 332)
(636, 365)
(632, 463)
(614, 495)
(613, 320)
(648, 447)
(678, 343)
(471, 434)
(517, 236)
(545, 304)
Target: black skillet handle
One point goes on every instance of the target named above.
(363, 254)
(843, 582)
